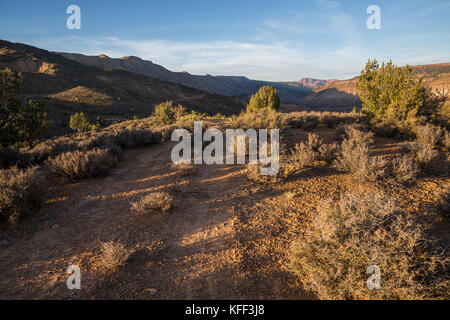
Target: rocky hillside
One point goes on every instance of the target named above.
(69, 86)
(225, 85)
(342, 96)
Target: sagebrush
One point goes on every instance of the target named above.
(357, 231)
(20, 192)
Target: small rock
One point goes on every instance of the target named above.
(56, 226)
(151, 291)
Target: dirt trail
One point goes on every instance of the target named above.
(199, 250)
(226, 238)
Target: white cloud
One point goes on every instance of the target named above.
(274, 61)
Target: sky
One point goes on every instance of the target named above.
(282, 40)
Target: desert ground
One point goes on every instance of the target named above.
(226, 237)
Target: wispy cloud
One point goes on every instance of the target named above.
(439, 6)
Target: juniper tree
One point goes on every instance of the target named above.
(266, 97)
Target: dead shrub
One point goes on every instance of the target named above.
(358, 231)
(329, 152)
(78, 164)
(380, 171)
(314, 142)
(254, 175)
(428, 136)
(185, 169)
(154, 202)
(425, 156)
(374, 170)
(442, 205)
(357, 134)
(446, 140)
(114, 255)
(303, 156)
(102, 142)
(354, 151)
(20, 192)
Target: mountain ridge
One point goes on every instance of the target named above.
(68, 87)
(225, 85)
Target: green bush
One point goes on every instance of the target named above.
(165, 113)
(79, 122)
(19, 122)
(266, 97)
(394, 98)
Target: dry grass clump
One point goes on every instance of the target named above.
(78, 164)
(380, 171)
(425, 156)
(303, 156)
(354, 150)
(254, 174)
(185, 169)
(263, 119)
(403, 169)
(329, 152)
(446, 140)
(20, 192)
(428, 135)
(442, 205)
(348, 236)
(314, 142)
(114, 255)
(425, 150)
(154, 202)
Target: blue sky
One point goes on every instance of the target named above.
(281, 40)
